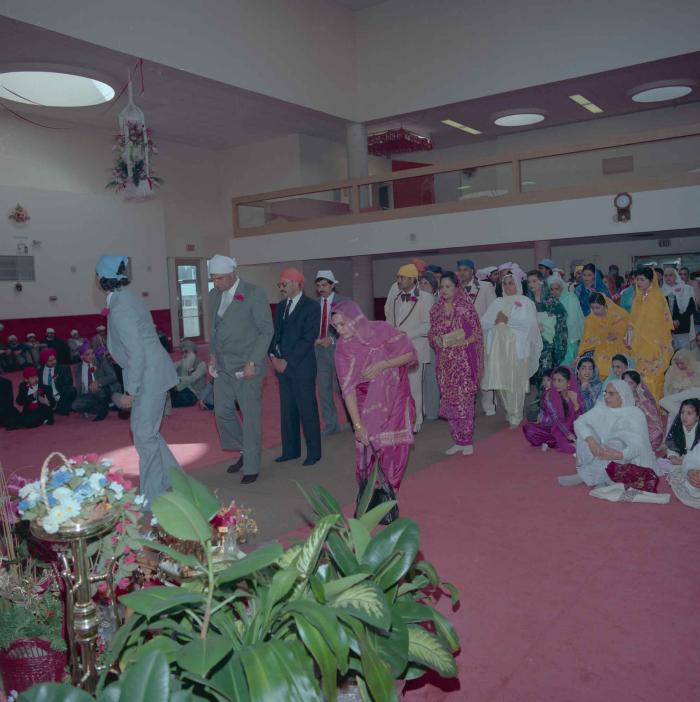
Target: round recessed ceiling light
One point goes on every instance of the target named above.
(661, 93)
(48, 89)
(518, 119)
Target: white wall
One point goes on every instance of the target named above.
(74, 229)
(300, 51)
(413, 54)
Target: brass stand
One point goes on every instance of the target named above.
(82, 617)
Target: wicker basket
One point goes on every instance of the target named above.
(27, 662)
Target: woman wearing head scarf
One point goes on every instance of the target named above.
(589, 383)
(551, 317)
(627, 294)
(604, 332)
(431, 393)
(681, 304)
(650, 332)
(372, 361)
(559, 407)
(620, 363)
(682, 381)
(645, 401)
(591, 282)
(513, 347)
(614, 430)
(683, 462)
(455, 335)
(574, 315)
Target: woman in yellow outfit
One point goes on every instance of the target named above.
(604, 332)
(650, 332)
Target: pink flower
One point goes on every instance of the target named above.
(78, 459)
(92, 457)
(517, 303)
(131, 558)
(414, 298)
(238, 297)
(15, 484)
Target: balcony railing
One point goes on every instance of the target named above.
(662, 159)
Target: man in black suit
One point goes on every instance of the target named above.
(297, 320)
(36, 400)
(59, 379)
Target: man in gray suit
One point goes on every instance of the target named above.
(241, 331)
(325, 351)
(148, 373)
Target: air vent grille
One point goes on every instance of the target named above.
(16, 268)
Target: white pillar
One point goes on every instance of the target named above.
(356, 144)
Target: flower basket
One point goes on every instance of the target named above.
(27, 662)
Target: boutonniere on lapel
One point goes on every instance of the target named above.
(238, 297)
(413, 298)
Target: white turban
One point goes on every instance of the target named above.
(220, 265)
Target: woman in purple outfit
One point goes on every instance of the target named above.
(560, 406)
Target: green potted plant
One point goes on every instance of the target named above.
(346, 604)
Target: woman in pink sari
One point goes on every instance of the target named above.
(560, 405)
(372, 361)
(455, 334)
(646, 402)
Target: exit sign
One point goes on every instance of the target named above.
(663, 243)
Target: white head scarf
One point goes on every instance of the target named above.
(625, 393)
(682, 292)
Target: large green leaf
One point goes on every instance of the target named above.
(311, 549)
(372, 518)
(376, 673)
(426, 649)
(185, 558)
(282, 583)
(412, 612)
(335, 587)
(201, 655)
(366, 496)
(342, 556)
(393, 646)
(178, 516)
(259, 559)
(55, 692)
(148, 680)
(322, 654)
(231, 679)
(289, 556)
(280, 670)
(324, 619)
(360, 537)
(154, 600)
(196, 492)
(400, 537)
(365, 601)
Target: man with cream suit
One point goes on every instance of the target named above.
(407, 308)
(241, 331)
(148, 373)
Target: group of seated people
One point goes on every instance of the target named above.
(76, 375)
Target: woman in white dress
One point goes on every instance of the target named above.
(513, 347)
(614, 430)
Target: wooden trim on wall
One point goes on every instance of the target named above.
(512, 199)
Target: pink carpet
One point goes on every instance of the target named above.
(190, 432)
(565, 598)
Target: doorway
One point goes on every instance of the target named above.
(189, 299)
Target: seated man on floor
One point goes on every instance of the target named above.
(59, 378)
(95, 381)
(75, 341)
(36, 400)
(191, 376)
(100, 338)
(34, 348)
(53, 342)
(16, 358)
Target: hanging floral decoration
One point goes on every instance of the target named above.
(19, 215)
(397, 141)
(132, 174)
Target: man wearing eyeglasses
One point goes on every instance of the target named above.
(297, 321)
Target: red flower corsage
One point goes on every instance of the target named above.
(517, 303)
(414, 298)
(238, 297)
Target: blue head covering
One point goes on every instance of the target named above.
(434, 269)
(547, 263)
(583, 292)
(466, 263)
(108, 265)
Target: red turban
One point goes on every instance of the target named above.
(292, 274)
(419, 263)
(45, 355)
(30, 372)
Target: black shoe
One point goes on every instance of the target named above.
(311, 461)
(282, 459)
(247, 479)
(235, 467)
(100, 417)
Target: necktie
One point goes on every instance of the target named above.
(405, 297)
(324, 319)
(287, 308)
(91, 374)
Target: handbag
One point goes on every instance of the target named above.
(383, 492)
(633, 476)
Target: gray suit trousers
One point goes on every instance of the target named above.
(155, 458)
(228, 391)
(327, 385)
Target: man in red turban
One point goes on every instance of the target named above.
(59, 378)
(36, 400)
(297, 321)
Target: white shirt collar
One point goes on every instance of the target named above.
(109, 297)
(329, 298)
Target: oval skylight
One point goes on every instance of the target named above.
(53, 89)
(664, 92)
(519, 119)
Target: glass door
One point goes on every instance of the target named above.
(189, 299)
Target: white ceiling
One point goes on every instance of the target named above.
(359, 4)
(179, 106)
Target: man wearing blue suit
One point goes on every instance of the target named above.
(148, 372)
(297, 320)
